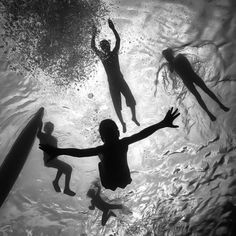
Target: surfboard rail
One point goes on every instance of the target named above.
(18, 154)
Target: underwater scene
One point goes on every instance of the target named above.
(117, 117)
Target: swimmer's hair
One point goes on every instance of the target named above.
(91, 193)
(104, 44)
(107, 129)
(168, 51)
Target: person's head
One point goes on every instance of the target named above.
(91, 193)
(168, 54)
(48, 127)
(108, 131)
(105, 46)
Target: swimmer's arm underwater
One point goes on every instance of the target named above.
(54, 152)
(112, 27)
(166, 122)
(93, 44)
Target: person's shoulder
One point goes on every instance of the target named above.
(124, 141)
(181, 58)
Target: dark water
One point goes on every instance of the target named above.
(183, 180)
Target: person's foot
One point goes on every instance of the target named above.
(226, 109)
(212, 117)
(56, 186)
(124, 127)
(135, 121)
(69, 192)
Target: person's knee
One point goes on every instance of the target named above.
(67, 169)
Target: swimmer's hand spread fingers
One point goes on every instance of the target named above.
(50, 150)
(170, 117)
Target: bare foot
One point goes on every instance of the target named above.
(226, 109)
(212, 117)
(56, 186)
(69, 192)
(135, 121)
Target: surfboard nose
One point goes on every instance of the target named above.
(40, 112)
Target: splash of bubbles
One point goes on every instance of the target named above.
(50, 36)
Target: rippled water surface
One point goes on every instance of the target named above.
(183, 179)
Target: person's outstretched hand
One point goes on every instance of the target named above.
(170, 117)
(110, 23)
(50, 150)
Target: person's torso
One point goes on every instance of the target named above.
(112, 67)
(114, 158)
(50, 140)
(183, 67)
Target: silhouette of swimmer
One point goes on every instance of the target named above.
(97, 201)
(62, 167)
(117, 84)
(113, 167)
(183, 68)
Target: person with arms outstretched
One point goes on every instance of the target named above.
(190, 78)
(113, 166)
(117, 84)
(62, 167)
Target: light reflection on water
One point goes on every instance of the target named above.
(183, 180)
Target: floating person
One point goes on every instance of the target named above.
(117, 84)
(98, 202)
(62, 167)
(113, 167)
(183, 68)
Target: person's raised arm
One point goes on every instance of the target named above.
(54, 152)
(166, 122)
(93, 44)
(112, 27)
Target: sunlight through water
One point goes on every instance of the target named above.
(183, 179)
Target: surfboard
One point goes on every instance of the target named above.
(17, 156)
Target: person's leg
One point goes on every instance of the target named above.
(116, 99)
(67, 170)
(119, 115)
(130, 101)
(104, 218)
(115, 206)
(56, 180)
(194, 91)
(198, 81)
(134, 119)
(106, 215)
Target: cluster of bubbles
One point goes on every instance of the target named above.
(50, 36)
